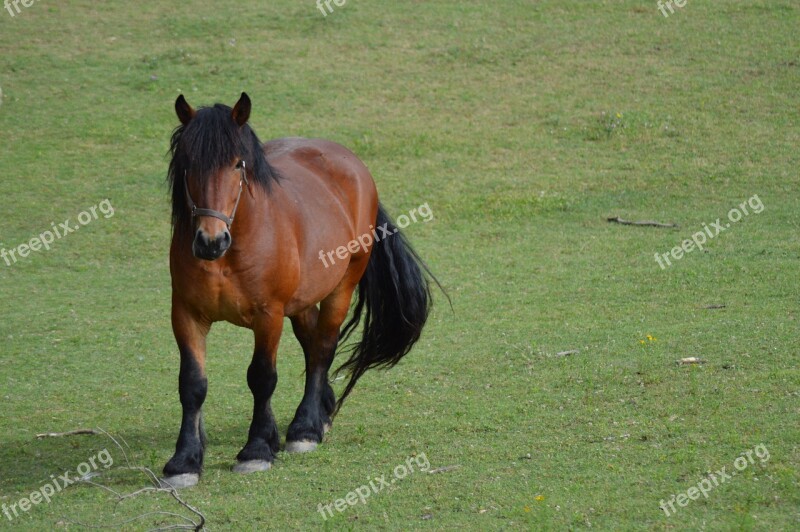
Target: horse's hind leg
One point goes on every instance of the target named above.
(318, 333)
(312, 418)
(263, 440)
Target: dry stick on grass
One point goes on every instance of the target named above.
(444, 469)
(190, 524)
(618, 220)
(567, 353)
(157, 487)
(69, 433)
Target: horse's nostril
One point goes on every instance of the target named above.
(224, 240)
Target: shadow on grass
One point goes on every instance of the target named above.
(25, 465)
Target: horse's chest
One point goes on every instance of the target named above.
(224, 298)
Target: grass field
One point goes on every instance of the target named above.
(523, 125)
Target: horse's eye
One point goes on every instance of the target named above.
(239, 165)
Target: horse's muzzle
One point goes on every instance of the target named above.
(207, 248)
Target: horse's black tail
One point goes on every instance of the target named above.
(394, 299)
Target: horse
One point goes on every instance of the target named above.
(250, 226)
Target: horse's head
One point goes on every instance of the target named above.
(213, 150)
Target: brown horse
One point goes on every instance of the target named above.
(251, 224)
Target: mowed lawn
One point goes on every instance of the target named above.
(524, 126)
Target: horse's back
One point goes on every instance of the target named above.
(319, 155)
(308, 165)
(327, 199)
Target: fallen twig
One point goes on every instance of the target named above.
(567, 353)
(190, 523)
(444, 469)
(69, 433)
(618, 220)
(157, 487)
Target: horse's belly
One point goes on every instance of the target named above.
(314, 287)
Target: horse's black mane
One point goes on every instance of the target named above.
(209, 142)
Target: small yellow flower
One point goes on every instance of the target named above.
(651, 337)
(642, 342)
(527, 508)
(539, 498)
(619, 115)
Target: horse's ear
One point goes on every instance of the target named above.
(184, 110)
(241, 111)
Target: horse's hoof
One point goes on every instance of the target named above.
(186, 480)
(326, 428)
(302, 446)
(251, 466)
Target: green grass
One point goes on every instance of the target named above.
(524, 125)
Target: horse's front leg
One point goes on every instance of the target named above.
(183, 469)
(263, 441)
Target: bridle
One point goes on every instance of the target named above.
(196, 211)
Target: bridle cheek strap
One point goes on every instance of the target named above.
(197, 211)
